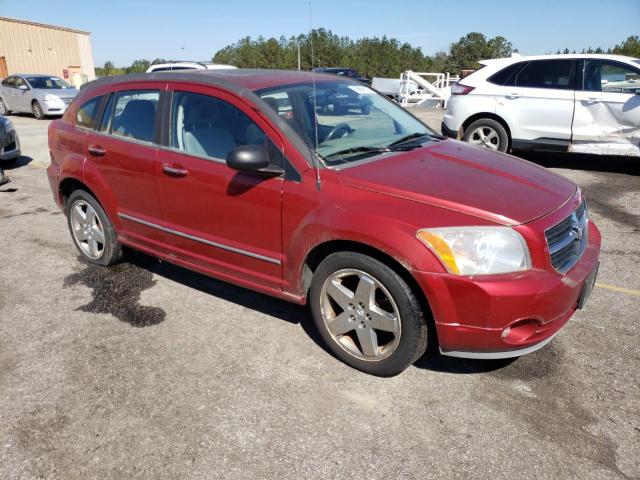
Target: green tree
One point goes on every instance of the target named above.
(630, 47)
(473, 47)
(138, 66)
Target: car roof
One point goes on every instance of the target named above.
(233, 79)
(560, 56)
(44, 75)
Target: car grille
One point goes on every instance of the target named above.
(67, 101)
(568, 239)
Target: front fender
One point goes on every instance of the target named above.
(383, 222)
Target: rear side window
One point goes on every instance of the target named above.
(506, 76)
(134, 114)
(87, 112)
(555, 74)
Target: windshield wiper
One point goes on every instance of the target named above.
(413, 136)
(365, 150)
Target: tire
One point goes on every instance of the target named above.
(487, 133)
(3, 108)
(36, 109)
(95, 227)
(403, 338)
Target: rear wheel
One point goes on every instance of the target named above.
(3, 108)
(36, 109)
(91, 229)
(487, 133)
(367, 314)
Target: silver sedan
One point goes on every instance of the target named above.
(41, 95)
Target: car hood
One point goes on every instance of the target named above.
(58, 92)
(472, 180)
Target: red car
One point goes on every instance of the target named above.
(396, 237)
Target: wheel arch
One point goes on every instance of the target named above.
(70, 184)
(321, 251)
(492, 116)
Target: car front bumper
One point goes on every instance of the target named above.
(501, 316)
(54, 108)
(10, 147)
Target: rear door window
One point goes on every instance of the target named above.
(134, 115)
(9, 82)
(554, 74)
(105, 121)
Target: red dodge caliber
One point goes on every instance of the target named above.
(316, 189)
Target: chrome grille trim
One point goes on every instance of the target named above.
(567, 240)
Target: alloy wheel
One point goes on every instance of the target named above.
(87, 229)
(37, 110)
(360, 314)
(3, 108)
(485, 137)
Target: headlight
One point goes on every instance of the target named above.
(50, 98)
(8, 126)
(478, 250)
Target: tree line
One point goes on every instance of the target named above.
(372, 57)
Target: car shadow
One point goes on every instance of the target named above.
(19, 162)
(577, 161)
(292, 313)
(274, 307)
(436, 362)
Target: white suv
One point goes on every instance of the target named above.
(163, 67)
(576, 103)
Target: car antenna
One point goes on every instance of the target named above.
(316, 161)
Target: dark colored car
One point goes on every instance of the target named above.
(344, 72)
(9, 142)
(395, 236)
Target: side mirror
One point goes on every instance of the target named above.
(251, 159)
(23, 87)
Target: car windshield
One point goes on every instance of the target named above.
(47, 83)
(350, 121)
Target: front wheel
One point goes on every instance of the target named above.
(36, 109)
(91, 229)
(487, 133)
(367, 314)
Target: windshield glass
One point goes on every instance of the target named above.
(47, 83)
(351, 120)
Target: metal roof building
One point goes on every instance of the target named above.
(29, 47)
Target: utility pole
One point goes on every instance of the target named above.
(298, 44)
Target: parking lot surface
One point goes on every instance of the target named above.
(146, 370)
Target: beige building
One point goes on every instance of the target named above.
(29, 47)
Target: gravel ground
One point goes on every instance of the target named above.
(146, 370)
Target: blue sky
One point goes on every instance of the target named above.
(123, 31)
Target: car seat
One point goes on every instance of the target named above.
(202, 132)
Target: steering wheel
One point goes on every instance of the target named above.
(339, 131)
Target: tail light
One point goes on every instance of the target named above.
(460, 89)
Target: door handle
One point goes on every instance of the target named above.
(593, 99)
(513, 95)
(96, 150)
(174, 171)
